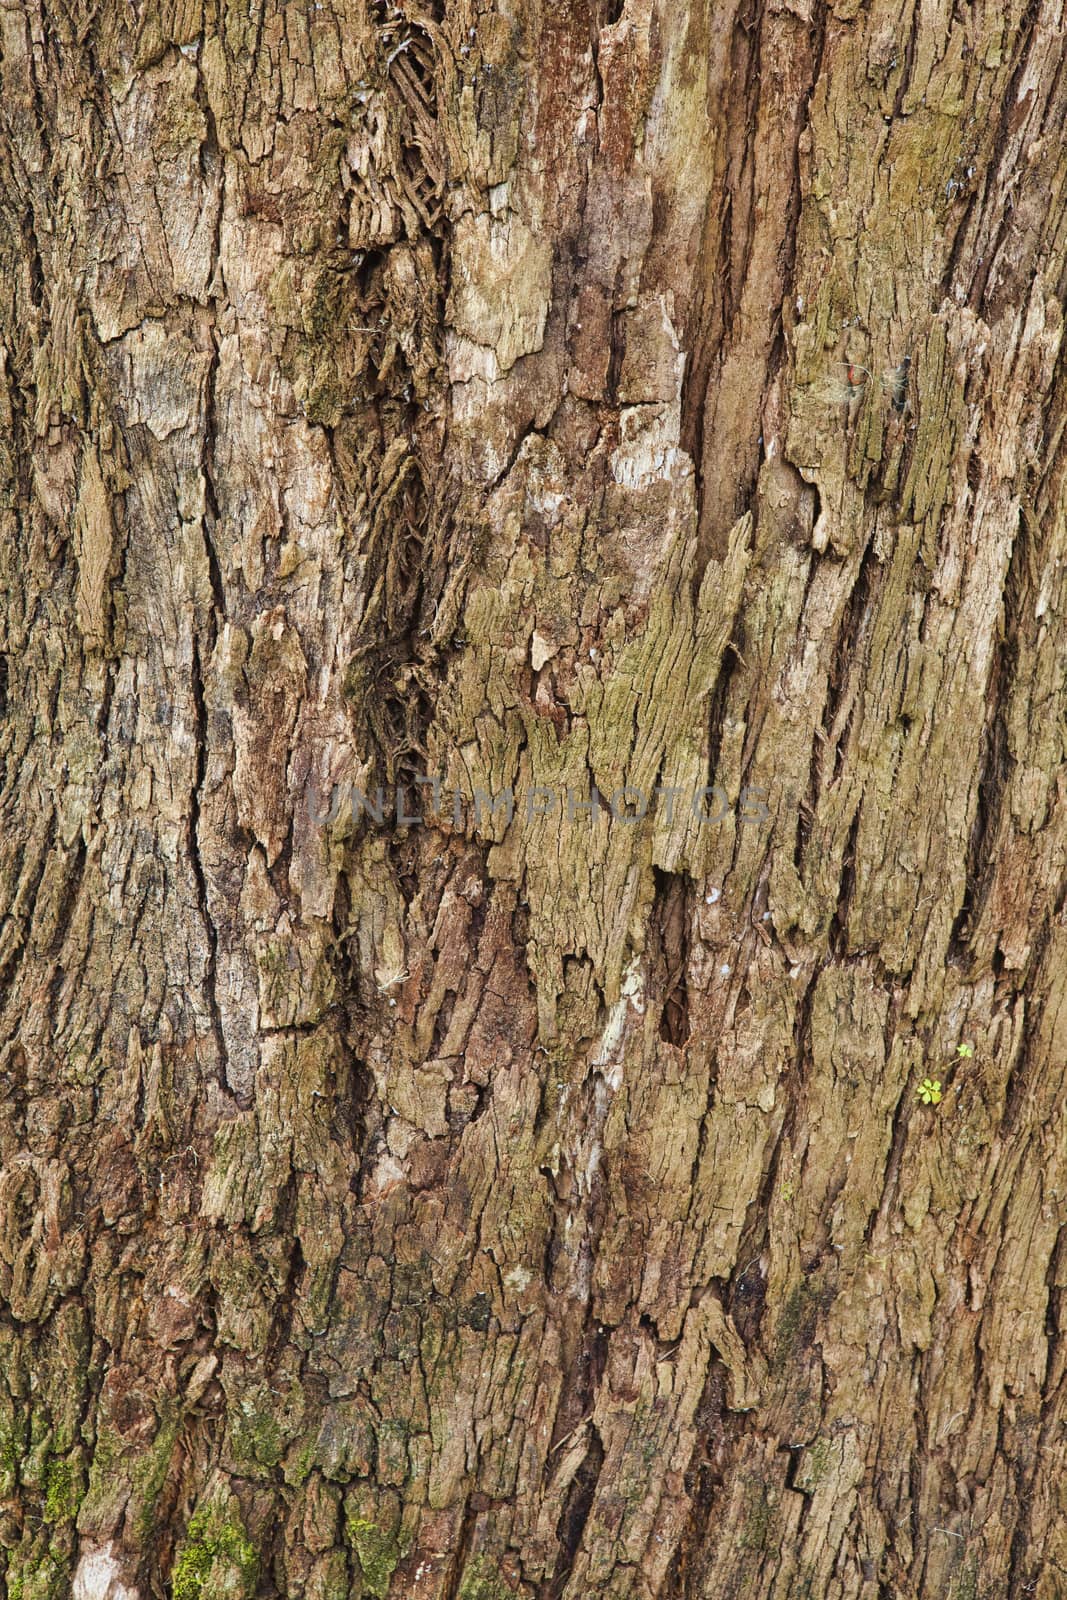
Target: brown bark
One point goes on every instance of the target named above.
(565, 398)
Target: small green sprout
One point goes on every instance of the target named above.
(929, 1092)
(965, 1051)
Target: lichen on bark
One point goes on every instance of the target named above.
(584, 400)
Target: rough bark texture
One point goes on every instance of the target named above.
(540, 1208)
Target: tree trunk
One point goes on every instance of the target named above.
(629, 435)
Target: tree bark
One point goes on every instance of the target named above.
(606, 403)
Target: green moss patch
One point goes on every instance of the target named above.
(215, 1559)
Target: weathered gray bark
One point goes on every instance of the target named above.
(573, 395)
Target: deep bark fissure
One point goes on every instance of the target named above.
(196, 863)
